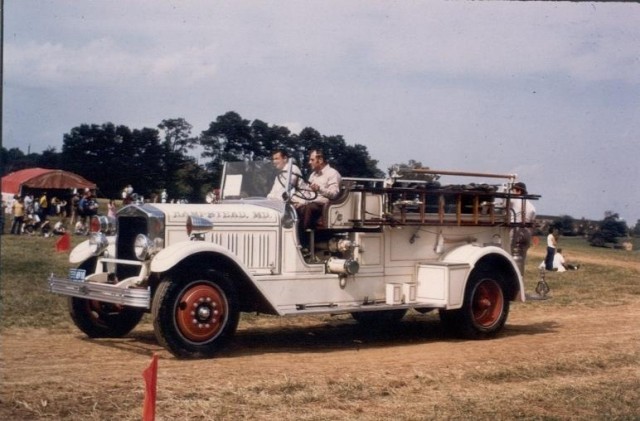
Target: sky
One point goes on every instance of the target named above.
(549, 91)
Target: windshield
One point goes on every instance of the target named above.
(250, 179)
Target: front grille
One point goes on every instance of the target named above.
(128, 228)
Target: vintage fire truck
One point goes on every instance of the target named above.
(383, 247)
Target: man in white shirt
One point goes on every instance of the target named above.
(280, 160)
(552, 244)
(521, 209)
(325, 182)
(559, 263)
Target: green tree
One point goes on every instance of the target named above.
(178, 166)
(610, 229)
(227, 139)
(406, 171)
(13, 160)
(192, 182)
(350, 161)
(177, 135)
(566, 225)
(355, 161)
(232, 138)
(268, 138)
(114, 156)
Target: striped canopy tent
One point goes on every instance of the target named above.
(41, 179)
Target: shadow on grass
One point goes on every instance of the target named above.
(322, 337)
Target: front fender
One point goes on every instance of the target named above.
(177, 252)
(472, 254)
(82, 251)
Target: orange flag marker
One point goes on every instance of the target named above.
(150, 375)
(64, 243)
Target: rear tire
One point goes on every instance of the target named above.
(484, 311)
(195, 319)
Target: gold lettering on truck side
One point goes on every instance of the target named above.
(223, 215)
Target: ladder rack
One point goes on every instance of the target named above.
(449, 205)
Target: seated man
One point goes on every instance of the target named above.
(324, 181)
(559, 263)
(280, 160)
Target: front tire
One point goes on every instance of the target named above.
(484, 311)
(103, 320)
(195, 319)
(98, 319)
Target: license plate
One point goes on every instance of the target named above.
(77, 275)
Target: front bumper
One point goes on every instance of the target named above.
(132, 297)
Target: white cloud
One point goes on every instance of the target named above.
(102, 62)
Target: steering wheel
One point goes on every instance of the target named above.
(302, 190)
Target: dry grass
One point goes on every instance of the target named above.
(574, 356)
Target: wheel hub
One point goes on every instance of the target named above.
(200, 315)
(488, 303)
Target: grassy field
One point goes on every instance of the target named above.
(26, 261)
(606, 276)
(568, 357)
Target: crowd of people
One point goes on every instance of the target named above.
(32, 213)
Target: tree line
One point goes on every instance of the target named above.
(608, 231)
(162, 158)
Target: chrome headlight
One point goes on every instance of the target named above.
(98, 243)
(144, 247)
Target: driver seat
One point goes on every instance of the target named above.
(342, 197)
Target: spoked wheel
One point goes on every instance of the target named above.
(484, 311)
(195, 319)
(103, 320)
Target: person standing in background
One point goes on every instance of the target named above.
(111, 209)
(17, 209)
(552, 244)
(523, 215)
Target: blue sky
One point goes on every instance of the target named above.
(547, 90)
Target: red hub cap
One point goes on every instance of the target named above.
(201, 312)
(488, 303)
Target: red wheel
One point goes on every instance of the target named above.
(201, 312)
(484, 310)
(195, 319)
(103, 320)
(488, 303)
(99, 319)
